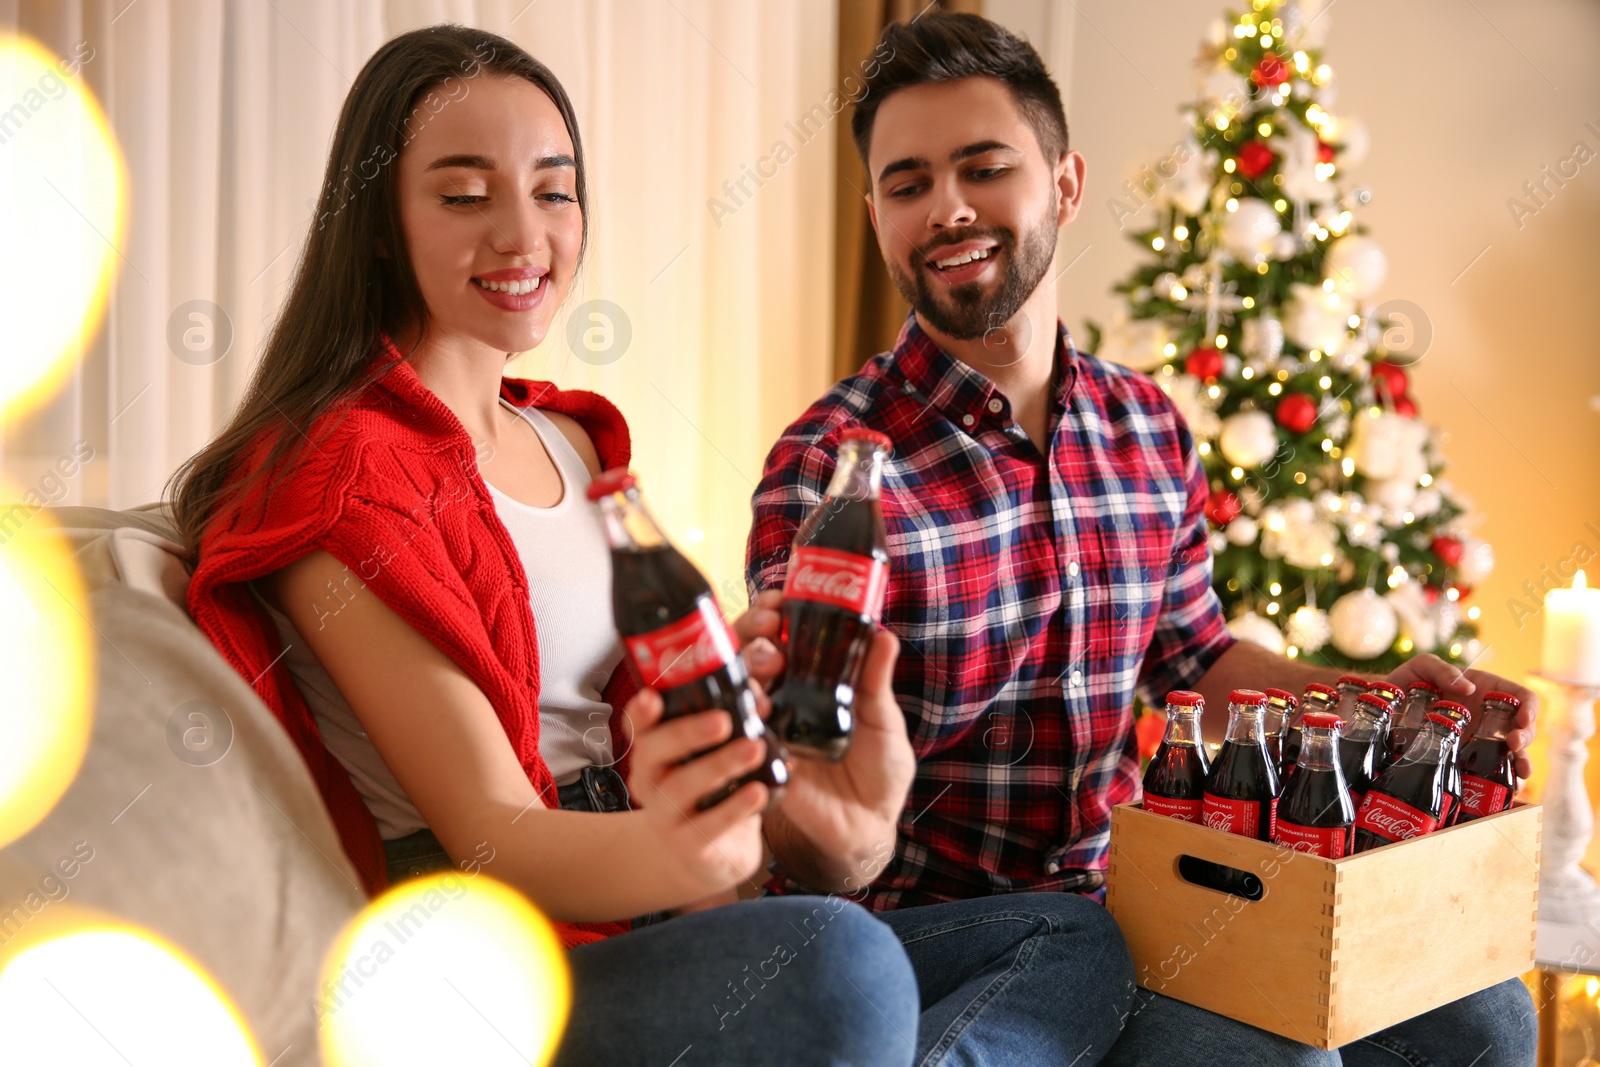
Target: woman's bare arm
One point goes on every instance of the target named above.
(439, 735)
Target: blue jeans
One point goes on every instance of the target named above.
(1021, 979)
(1494, 1028)
(778, 980)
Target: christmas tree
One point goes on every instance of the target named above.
(1336, 539)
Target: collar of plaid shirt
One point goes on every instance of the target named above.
(1033, 594)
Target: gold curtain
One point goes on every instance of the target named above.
(867, 309)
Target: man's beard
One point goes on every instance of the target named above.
(965, 313)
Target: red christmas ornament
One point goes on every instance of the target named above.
(1270, 71)
(1431, 593)
(1406, 406)
(1324, 152)
(1390, 378)
(1149, 731)
(1254, 160)
(1297, 413)
(1462, 591)
(1222, 508)
(1204, 363)
(1448, 549)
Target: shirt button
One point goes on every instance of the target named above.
(1052, 867)
(967, 420)
(995, 406)
(1072, 568)
(1076, 679)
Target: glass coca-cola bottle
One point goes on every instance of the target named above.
(676, 639)
(1175, 781)
(1450, 812)
(1350, 687)
(1408, 798)
(1315, 811)
(832, 597)
(1316, 697)
(1488, 770)
(1363, 740)
(1241, 795)
(1281, 706)
(1392, 695)
(1404, 725)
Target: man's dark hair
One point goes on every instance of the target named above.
(940, 47)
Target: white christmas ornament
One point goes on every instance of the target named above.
(1363, 624)
(1134, 343)
(1307, 629)
(1248, 439)
(1198, 410)
(1242, 531)
(1350, 135)
(1298, 165)
(1313, 318)
(1477, 560)
(1248, 231)
(1356, 265)
(1252, 627)
(1416, 621)
(1263, 337)
(1189, 189)
(1387, 445)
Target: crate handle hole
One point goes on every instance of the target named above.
(1221, 878)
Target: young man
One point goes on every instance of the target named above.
(1048, 542)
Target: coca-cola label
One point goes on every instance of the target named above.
(1186, 810)
(1483, 797)
(683, 651)
(1242, 817)
(1391, 818)
(844, 579)
(1330, 842)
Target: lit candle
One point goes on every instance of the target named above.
(1572, 633)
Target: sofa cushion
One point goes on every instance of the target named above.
(200, 818)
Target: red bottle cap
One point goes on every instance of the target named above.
(1325, 690)
(1384, 687)
(1247, 696)
(614, 480)
(1323, 719)
(1427, 687)
(1444, 720)
(1185, 698)
(1284, 695)
(861, 433)
(1501, 695)
(1352, 679)
(1451, 707)
(1373, 700)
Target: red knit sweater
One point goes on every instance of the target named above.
(394, 494)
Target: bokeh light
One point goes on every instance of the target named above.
(63, 184)
(445, 968)
(47, 661)
(92, 991)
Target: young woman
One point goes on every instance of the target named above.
(391, 541)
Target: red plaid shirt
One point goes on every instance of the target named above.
(1033, 595)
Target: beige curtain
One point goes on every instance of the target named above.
(868, 310)
(709, 185)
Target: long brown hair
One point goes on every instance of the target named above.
(345, 294)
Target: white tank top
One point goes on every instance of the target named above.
(568, 565)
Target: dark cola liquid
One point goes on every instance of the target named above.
(1400, 738)
(1488, 778)
(1314, 800)
(1291, 754)
(1417, 785)
(826, 644)
(1450, 791)
(1175, 781)
(1241, 773)
(1359, 759)
(655, 588)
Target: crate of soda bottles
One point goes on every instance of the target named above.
(1347, 860)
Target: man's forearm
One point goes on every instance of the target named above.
(1246, 665)
(802, 861)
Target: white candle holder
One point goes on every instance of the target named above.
(1568, 893)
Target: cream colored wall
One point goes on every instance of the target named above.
(1465, 102)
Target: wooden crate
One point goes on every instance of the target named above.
(1334, 949)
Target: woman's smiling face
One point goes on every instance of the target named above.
(488, 197)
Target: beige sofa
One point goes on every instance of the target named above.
(199, 817)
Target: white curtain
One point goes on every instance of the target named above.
(710, 224)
